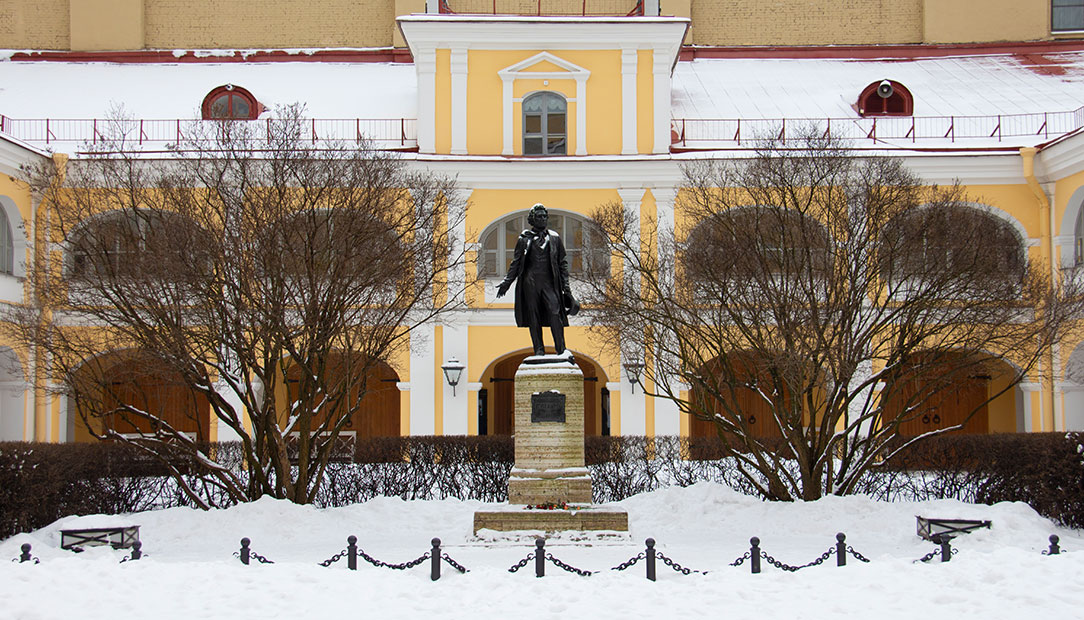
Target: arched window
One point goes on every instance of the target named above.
(584, 246)
(886, 98)
(7, 246)
(135, 243)
(545, 131)
(229, 102)
(954, 244)
(1078, 240)
(756, 244)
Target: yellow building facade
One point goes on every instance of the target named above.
(576, 112)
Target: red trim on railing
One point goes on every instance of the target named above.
(903, 51)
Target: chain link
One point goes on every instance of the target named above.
(857, 556)
(259, 558)
(335, 558)
(677, 567)
(405, 565)
(630, 562)
(790, 569)
(522, 563)
(571, 569)
(18, 561)
(456, 565)
(929, 556)
(742, 559)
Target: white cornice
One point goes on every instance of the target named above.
(558, 173)
(1063, 158)
(14, 153)
(551, 33)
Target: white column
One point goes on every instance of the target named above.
(226, 432)
(651, 8)
(667, 413)
(628, 100)
(1027, 389)
(457, 226)
(661, 107)
(432, 6)
(456, 404)
(633, 404)
(581, 114)
(426, 65)
(507, 108)
(422, 402)
(459, 100)
(1073, 397)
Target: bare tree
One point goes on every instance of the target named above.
(248, 274)
(816, 307)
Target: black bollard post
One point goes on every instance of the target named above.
(650, 553)
(841, 549)
(754, 554)
(946, 546)
(25, 556)
(1054, 548)
(352, 552)
(244, 550)
(434, 560)
(137, 550)
(540, 557)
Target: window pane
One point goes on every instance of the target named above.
(554, 103)
(1068, 18)
(220, 107)
(489, 242)
(512, 228)
(556, 146)
(556, 124)
(532, 124)
(241, 108)
(556, 223)
(532, 146)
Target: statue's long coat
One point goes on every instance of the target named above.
(558, 267)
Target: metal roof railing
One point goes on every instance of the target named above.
(709, 133)
(607, 8)
(150, 134)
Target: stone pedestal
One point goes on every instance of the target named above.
(549, 434)
(549, 455)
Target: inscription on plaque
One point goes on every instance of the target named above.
(548, 407)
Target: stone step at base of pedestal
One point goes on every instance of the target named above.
(517, 518)
(543, 490)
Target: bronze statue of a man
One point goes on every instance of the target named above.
(540, 270)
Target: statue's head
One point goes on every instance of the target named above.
(539, 216)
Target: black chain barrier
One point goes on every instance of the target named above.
(456, 565)
(629, 563)
(524, 562)
(1054, 549)
(405, 565)
(857, 556)
(567, 568)
(335, 558)
(137, 553)
(790, 569)
(742, 559)
(929, 556)
(246, 553)
(677, 567)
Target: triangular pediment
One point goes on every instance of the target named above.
(544, 64)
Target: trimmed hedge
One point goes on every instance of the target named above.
(40, 483)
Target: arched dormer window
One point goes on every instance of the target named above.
(229, 102)
(886, 98)
(584, 247)
(545, 131)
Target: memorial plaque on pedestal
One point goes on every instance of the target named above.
(548, 407)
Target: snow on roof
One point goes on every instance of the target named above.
(828, 88)
(38, 89)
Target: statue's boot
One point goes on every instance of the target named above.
(558, 336)
(536, 339)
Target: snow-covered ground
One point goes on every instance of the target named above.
(191, 571)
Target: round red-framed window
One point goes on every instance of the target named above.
(899, 101)
(229, 102)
